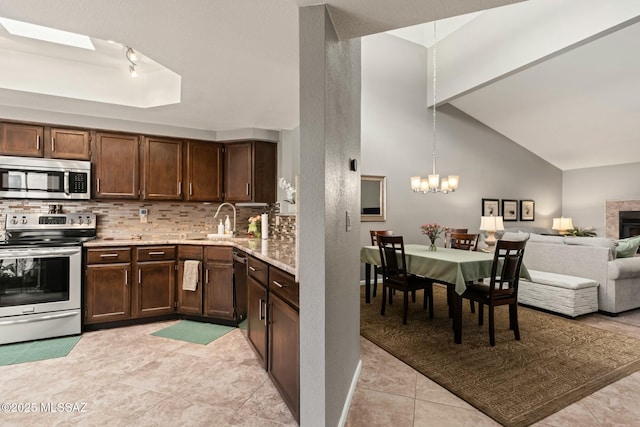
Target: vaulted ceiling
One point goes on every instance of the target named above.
(559, 78)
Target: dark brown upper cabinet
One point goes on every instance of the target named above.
(116, 160)
(72, 144)
(162, 165)
(203, 171)
(250, 172)
(18, 139)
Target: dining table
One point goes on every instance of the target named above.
(454, 268)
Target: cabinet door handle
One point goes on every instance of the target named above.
(206, 275)
(108, 255)
(248, 188)
(126, 277)
(179, 188)
(265, 313)
(139, 277)
(251, 268)
(53, 143)
(260, 314)
(98, 186)
(156, 253)
(275, 282)
(191, 188)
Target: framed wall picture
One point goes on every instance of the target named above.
(527, 210)
(490, 207)
(509, 210)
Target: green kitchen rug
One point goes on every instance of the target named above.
(195, 332)
(11, 354)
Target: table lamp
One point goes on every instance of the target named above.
(491, 224)
(562, 225)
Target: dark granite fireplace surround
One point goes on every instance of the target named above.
(629, 224)
(612, 215)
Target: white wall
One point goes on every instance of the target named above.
(288, 163)
(585, 192)
(397, 142)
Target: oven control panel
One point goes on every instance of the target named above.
(50, 221)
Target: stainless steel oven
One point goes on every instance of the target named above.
(41, 275)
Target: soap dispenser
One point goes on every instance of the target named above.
(221, 228)
(227, 225)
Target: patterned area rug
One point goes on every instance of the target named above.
(557, 362)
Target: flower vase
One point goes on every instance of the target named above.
(433, 246)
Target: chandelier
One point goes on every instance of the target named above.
(433, 184)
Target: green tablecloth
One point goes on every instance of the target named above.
(445, 265)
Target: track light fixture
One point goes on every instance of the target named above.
(131, 57)
(131, 54)
(132, 71)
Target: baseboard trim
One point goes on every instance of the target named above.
(352, 390)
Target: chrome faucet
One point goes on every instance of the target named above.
(234, 215)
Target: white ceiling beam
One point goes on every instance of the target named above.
(357, 18)
(501, 42)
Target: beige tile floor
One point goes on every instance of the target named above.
(128, 377)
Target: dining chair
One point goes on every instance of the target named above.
(395, 275)
(502, 286)
(374, 242)
(465, 241)
(451, 231)
(468, 242)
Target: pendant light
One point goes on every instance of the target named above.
(433, 184)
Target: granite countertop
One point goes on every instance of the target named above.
(278, 253)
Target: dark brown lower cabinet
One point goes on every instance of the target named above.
(284, 357)
(155, 291)
(218, 282)
(107, 293)
(273, 327)
(189, 302)
(256, 318)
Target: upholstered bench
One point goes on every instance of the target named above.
(569, 295)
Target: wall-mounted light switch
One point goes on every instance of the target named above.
(143, 215)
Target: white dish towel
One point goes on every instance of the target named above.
(190, 275)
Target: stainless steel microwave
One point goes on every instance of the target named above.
(35, 178)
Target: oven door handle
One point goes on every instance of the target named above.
(39, 319)
(66, 183)
(38, 252)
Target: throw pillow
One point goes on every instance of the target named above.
(627, 247)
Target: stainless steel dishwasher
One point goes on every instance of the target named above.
(240, 284)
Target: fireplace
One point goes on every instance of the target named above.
(612, 215)
(629, 225)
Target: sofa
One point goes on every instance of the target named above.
(578, 266)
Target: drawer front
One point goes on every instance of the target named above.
(258, 270)
(219, 253)
(190, 252)
(108, 255)
(156, 253)
(284, 285)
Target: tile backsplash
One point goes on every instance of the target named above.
(121, 218)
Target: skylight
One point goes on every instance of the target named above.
(81, 68)
(38, 32)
